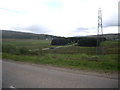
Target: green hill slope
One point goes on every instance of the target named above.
(23, 35)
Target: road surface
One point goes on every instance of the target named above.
(24, 75)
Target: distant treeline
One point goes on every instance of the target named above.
(81, 41)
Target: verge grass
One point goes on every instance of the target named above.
(69, 56)
(78, 61)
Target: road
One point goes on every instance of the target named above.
(26, 75)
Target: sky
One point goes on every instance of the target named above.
(59, 17)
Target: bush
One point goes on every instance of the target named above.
(10, 49)
(23, 51)
(20, 51)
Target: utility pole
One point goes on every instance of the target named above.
(99, 49)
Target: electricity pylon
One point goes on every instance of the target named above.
(99, 48)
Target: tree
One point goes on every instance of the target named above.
(60, 41)
(87, 41)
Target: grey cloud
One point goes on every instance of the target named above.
(119, 15)
(36, 28)
(79, 29)
(110, 23)
(114, 20)
(82, 28)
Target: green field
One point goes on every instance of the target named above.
(29, 43)
(71, 56)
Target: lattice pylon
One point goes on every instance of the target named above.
(99, 49)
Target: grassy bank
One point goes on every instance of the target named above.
(78, 61)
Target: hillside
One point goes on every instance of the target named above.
(23, 35)
(109, 36)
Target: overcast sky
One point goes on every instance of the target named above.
(59, 17)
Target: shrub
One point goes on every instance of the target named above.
(23, 50)
(10, 49)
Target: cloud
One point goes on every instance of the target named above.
(58, 17)
(112, 20)
(54, 4)
(33, 28)
(119, 13)
(80, 29)
(12, 10)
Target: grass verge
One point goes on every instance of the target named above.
(108, 63)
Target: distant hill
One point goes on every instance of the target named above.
(109, 36)
(24, 35)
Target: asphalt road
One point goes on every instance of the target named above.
(22, 75)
